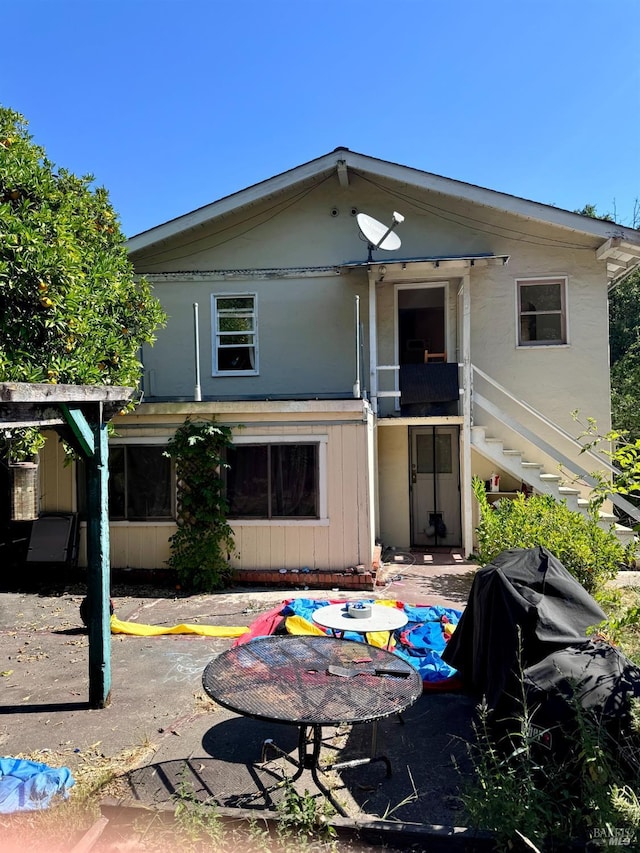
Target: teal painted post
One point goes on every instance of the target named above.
(99, 570)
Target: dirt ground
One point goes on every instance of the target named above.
(171, 737)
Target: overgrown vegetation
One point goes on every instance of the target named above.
(304, 815)
(203, 544)
(622, 625)
(624, 347)
(591, 554)
(554, 786)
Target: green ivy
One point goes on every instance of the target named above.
(203, 544)
(591, 554)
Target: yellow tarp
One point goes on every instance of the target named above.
(138, 630)
(299, 625)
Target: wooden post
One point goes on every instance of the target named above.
(99, 569)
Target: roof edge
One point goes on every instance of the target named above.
(324, 164)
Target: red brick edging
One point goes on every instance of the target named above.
(314, 579)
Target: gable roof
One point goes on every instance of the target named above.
(620, 247)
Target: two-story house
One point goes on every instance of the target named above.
(370, 383)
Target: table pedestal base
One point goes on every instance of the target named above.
(309, 745)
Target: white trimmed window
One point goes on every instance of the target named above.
(235, 334)
(283, 477)
(542, 311)
(141, 482)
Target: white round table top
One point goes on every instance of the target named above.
(383, 618)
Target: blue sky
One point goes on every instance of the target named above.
(172, 104)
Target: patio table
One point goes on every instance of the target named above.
(288, 679)
(337, 619)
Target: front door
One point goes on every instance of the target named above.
(435, 486)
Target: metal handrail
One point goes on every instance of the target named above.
(576, 469)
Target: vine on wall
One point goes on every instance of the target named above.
(203, 544)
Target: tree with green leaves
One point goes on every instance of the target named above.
(71, 309)
(624, 343)
(624, 346)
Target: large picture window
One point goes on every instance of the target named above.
(140, 483)
(273, 480)
(234, 334)
(542, 311)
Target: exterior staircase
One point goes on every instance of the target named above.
(511, 461)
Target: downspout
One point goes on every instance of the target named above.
(197, 392)
(467, 378)
(356, 385)
(373, 342)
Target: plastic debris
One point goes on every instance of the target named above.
(30, 785)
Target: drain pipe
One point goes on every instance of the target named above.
(197, 393)
(356, 384)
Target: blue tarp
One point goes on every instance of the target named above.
(420, 642)
(29, 785)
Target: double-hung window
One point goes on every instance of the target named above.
(235, 334)
(275, 480)
(542, 311)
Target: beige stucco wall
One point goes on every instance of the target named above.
(306, 328)
(554, 379)
(393, 474)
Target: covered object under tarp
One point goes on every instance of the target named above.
(596, 675)
(525, 598)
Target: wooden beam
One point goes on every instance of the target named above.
(80, 428)
(48, 393)
(99, 570)
(343, 174)
(17, 415)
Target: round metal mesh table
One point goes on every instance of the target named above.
(288, 680)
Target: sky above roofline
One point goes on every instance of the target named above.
(172, 104)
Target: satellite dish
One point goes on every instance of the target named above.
(377, 235)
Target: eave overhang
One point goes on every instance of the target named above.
(622, 257)
(410, 269)
(344, 164)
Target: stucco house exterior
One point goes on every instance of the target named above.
(365, 386)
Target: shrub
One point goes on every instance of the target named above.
(591, 554)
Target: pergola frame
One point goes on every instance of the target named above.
(80, 414)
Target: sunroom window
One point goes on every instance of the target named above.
(273, 481)
(140, 483)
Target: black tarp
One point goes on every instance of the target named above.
(429, 383)
(596, 675)
(525, 598)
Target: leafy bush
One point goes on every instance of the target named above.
(591, 554)
(203, 543)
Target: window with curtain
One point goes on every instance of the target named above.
(273, 481)
(140, 483)
(235, 334)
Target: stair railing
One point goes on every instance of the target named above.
(519, 428)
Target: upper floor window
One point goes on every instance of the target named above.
(235, 334)
(542, 312)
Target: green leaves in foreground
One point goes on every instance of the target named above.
(71, 309)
